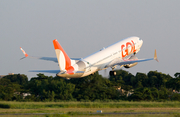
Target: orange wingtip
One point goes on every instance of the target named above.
(25, 54)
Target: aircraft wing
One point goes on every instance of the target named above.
(54, 59)
(131, 61)
(46, 71)
(128, 61)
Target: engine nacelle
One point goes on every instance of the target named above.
(131, 65)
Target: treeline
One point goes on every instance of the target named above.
(154, 86)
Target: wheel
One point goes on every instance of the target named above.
(112, 73)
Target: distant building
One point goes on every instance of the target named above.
(124, 92)
(10, 73)
(1, 76)
(25, 95)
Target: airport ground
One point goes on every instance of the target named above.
(89, 109)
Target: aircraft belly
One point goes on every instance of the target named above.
(76, 75)
(90, 71)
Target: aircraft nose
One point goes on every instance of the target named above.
(141, 42)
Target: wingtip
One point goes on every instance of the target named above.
(25, 54)
(155, 56)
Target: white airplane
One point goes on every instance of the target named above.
(120, 54)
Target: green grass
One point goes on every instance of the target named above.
(135, 115)
(81, 109)
(123, 104)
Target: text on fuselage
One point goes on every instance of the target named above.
(125, 46)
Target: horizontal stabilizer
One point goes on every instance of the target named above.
(48, 58)
(54, 59)
(46, 71)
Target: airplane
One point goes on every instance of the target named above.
(121, 53)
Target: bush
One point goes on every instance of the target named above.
(175, 96)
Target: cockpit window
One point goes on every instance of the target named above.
(140, 39)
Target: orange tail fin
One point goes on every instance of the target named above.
(63, 59)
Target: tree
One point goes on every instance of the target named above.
(95, 87)
(177, 75)
(160, 78)
(174, 83)
(141, 94)
(62, 89)
(164, 93)
(175, 96)
(8, 90)
(17, 78)
(155, 93)
(141, 78)
(49, 88)
(152, 82)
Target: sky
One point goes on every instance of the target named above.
(83, 27)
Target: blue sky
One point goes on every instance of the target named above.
(84, 27)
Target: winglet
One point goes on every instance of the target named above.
(25, 54)
(155, 56)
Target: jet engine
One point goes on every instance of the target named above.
(133, 64)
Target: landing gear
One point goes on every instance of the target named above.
(112, 73)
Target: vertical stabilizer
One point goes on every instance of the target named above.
(63, 60)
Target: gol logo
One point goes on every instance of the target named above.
(126, 50)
